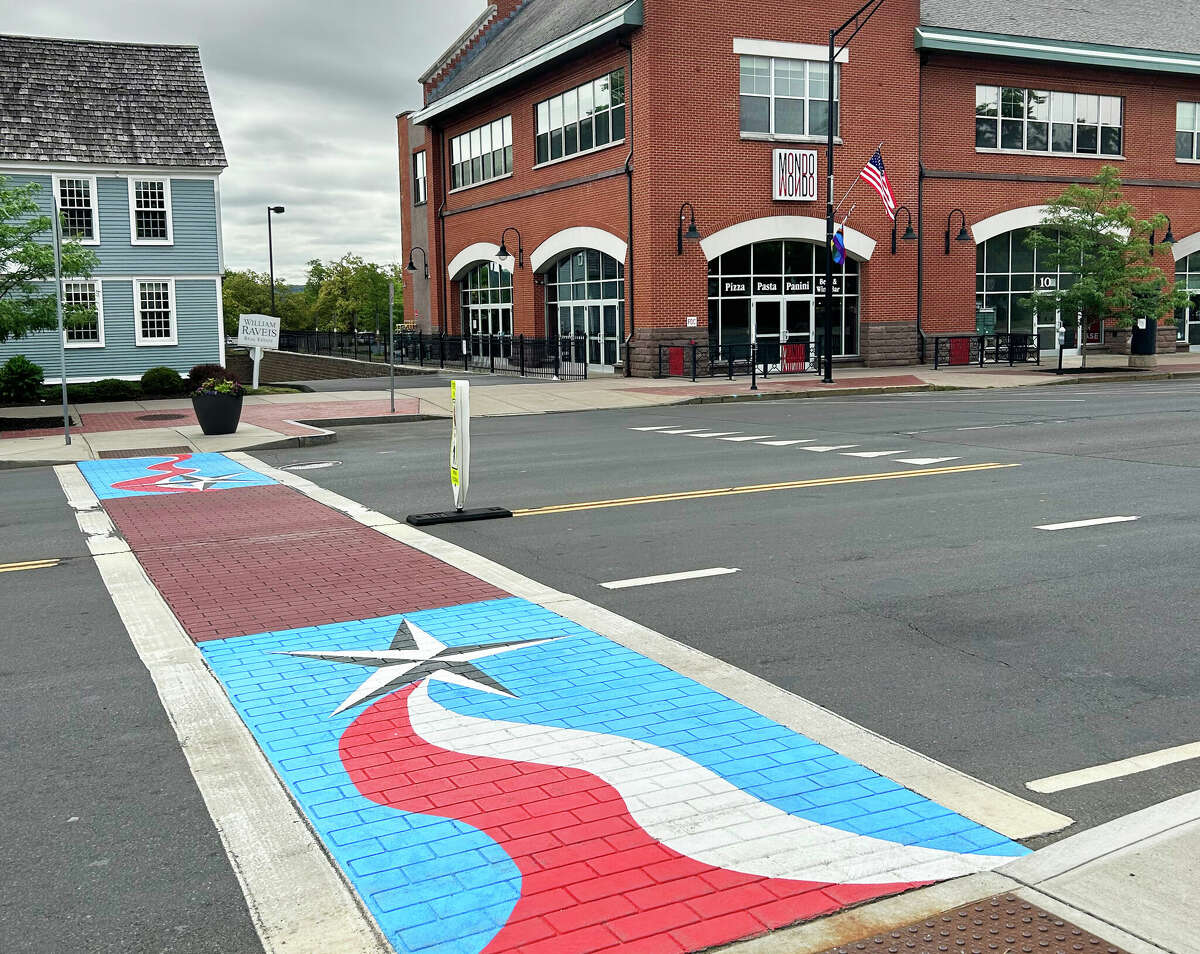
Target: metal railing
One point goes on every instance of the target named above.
(964, 350)
(729, 360)
(563, 358)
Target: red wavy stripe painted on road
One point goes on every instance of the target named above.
(150, 482)
(592, 878)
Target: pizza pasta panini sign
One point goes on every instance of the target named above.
(794, 175)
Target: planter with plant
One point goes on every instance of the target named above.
(218, 405)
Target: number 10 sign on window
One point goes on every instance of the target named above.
(794, 175)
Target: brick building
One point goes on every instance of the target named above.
(582, 135)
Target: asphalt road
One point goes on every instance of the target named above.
(928, 609)
(105, 842)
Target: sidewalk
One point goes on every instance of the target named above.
(281, 420)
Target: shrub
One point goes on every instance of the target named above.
(162, 380)
(114, 389)
(20, 380)
(202, 372)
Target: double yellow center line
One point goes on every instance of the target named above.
(756, 489)
(27, 565)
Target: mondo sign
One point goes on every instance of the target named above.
(794, 175)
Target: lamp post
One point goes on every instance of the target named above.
(424, 258)
(909, 234)
(505, 253)
(1168, 239)
(692, 234)
(963, 235)
(278, 210)
(856, 22)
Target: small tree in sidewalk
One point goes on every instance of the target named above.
(1093, 235)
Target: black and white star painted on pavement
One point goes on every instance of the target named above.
(203, 482)
(415, 655)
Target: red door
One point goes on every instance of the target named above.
(675, 362)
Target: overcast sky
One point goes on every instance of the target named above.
(306, 93)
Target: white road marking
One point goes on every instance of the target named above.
(872, 453)
(656, 427)
(297, 899)
(828, 447)
(1096, 522)
(922, 461)
(983, 427)
(752, 437)
(1008, 814)
(807, 440)
(1118, 769)
(715, 434)
(668, 577)
(685, 430)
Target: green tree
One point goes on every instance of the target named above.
(353, 294)
(27, 258)
(247, 292)
(1092, 233)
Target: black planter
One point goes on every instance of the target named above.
(217, 413)
(1144, 340)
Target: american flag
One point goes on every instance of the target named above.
(874, 174)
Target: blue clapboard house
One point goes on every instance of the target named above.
(124, 135)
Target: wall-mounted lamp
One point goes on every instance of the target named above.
(963, 235)
(692, 234)
(1168, 239)
(505, 253)
(424, 258)
(909, 234)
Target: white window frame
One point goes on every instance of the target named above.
(469, 143)
(1195, 131)
(1051, 122)
(744, 50)
(91, 180)
(544, 121)
(420, 181)
(140, 341)
(133, 236)
(98, 289)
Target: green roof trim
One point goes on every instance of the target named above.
(1058, 51)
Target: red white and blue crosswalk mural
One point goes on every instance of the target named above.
(492, 777)
(178, 473)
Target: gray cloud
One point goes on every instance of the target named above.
(305, 95)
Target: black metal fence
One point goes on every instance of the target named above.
(564, 358)
(729, 360)
(965, 350)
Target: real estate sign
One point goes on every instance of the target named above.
(258, 331)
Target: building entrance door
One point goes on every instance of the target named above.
(782, 330)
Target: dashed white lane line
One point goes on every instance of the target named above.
(669, 577)
(872, 453)
(1073, 524)
(824, 448)
(1118, 769)
(752, 437)
(656, 427)
(808, 440)
(715, 434)
(922, 461)
(685, 430)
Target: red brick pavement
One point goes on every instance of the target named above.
(255, 559)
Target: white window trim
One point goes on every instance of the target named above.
(788, 137)
(133, 239)
(787, 51)
(98, 286)
(416, 179)
(465, 134)
(482, 182)
(138, 340)
(821, 60)
(54, 180)
(576, 155)
(1100, 156)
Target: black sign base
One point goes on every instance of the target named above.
(457, 516)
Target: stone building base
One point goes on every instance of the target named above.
(888, 343)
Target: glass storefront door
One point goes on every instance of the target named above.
(778, 322)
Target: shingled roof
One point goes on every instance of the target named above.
(105, 103)
(1169, 26)
(531, 26)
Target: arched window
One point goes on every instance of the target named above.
(585, 300)
(487, 295)
(1187, 320)
(772, 292)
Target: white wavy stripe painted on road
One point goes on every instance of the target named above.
(691, 809)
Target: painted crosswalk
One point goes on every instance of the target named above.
(892, 454)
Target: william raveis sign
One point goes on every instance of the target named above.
(794, 175)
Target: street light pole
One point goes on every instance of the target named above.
(854, 24)
(278, 210)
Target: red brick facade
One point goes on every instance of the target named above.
(682, 80)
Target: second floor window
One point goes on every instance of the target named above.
(77, 205)
(1013, 119)
(420, 184)
(1187, 131)
(587, 117)
(780, 97)
(150, 211)
(483, 153)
